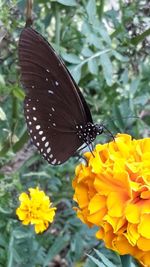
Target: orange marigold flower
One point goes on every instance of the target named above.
(35, 208)
(113, 193)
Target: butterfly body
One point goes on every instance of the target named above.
(58, 118)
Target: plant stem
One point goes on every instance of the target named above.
(93, 56)
(57, 30)
(101, 10)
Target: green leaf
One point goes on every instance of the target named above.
(96, 261)
(105, 260)
(76, 72)
(87, 52)
(2, 80)
(96, 41)
(5, 148)
(2, 115)
(139, 38)
(126, 260)
(67, 2)
(59, 244)
(71, 58)
(91, 10)
(107, 68)
(134, 87)
(103, 32)
(93, 67)
(124, 76)
(18, 93)
(120, 57)
(22, 140)
(3, 32)
(118, 117)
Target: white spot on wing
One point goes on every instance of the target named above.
(48, 150)
(50, 92)
(38, 127)
(54, 161)
(43, 138)
(57, 83)
(46, 144)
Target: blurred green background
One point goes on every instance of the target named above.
(116, 86)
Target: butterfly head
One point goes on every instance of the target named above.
(99, 129)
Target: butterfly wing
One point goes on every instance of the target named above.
(53, 104)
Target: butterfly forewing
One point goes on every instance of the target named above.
(54, 105)
(40, 64)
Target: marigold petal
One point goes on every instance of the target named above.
(122, 246)
(144, 226)
(144, 244)
(133, 213)
(82, 195)
(24, 197)
(145, 195)
(145, 259)
(105, 233)
(115, 222)
(132, 234)
(41, 227)
(96, 203)
(114, 209)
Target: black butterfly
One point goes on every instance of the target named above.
(58, 118)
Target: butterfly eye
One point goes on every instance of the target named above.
(57, 115)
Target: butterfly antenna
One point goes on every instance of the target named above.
(110, 133)
(124, 118)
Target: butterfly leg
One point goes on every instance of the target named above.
(80, 157)
(90, 145)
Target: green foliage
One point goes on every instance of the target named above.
(104, 258)
(107, 51)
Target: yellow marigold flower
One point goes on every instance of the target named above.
(35, 208)
(113, 193)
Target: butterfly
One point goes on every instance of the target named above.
(58, 118)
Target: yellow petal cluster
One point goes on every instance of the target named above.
(113, 193)
(35, 209)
